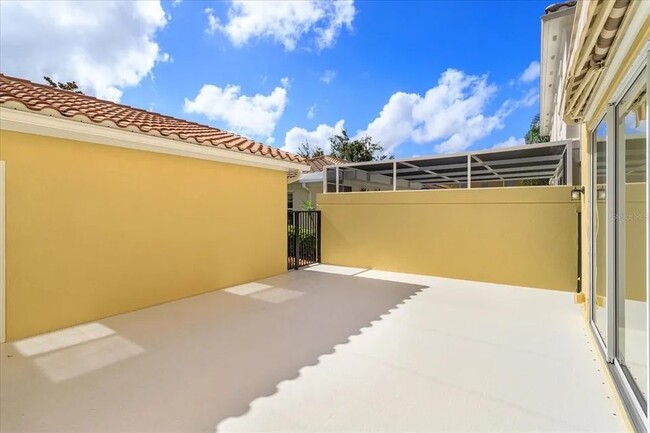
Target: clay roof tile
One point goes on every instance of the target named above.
(37, 97)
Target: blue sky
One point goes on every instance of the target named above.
(420, 77)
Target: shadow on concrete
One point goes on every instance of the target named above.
(203, 359)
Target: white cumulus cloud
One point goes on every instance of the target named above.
(254, 115)
(531, 73)
(450, 113)
(285, 22)
(328, 76)
(316, 138)
(103, 46)
(311, 112)
(511, 141)
(213, 21)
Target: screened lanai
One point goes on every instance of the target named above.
(553, 163)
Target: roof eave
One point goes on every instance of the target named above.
(30, 122)
(312, 177)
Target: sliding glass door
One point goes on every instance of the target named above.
(599, 227)
(631, 219)
(619, 239)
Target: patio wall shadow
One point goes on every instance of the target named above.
(204, 359)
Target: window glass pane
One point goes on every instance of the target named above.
(632, 311)
(599, 301)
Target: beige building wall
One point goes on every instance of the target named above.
(301, 195)
(524, 236)
(636, 256)
(93, 230)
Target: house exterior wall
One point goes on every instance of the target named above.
(615, 277)
(525, 236)
(560, 130)
(587, 153)
(555, 56)
(93, 230)
(300, 195)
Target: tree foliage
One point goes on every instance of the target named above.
(533, 135)
(359, 150)
(342, 147)
(69, 85)
(307, 151)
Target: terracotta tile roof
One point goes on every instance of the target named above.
(27, 96)
(317, 164)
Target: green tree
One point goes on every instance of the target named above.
(359, 150)
(307, 151)
(69, 85)
(533, 135)
(308, 205)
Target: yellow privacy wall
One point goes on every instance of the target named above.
(95, 230)
(522, 236)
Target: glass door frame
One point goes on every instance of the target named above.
(614, 241)
(593, 203)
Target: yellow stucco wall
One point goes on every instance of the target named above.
(523, 236)
(95, 230)
(636, 257)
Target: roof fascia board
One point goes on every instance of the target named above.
(39, 124)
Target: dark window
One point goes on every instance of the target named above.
(290, 200)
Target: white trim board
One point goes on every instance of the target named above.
(40, 124)
(3, 254)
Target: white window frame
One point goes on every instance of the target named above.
(593, 177)
(290, 194)
(3, 253)
(614, 243)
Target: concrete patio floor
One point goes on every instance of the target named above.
(323, 349)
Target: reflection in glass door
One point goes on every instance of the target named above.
(599, 215)
(632, 263)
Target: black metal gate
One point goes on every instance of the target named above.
(303, 238)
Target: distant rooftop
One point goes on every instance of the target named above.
(559, 6)
(319, 162)
(316, 164)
